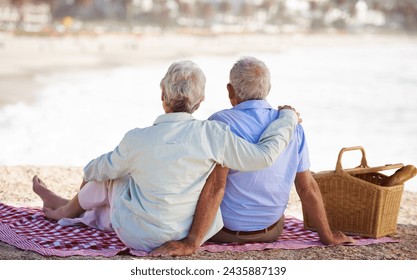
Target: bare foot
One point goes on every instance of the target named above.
(54, 214)
(70, 210)
(49, 198)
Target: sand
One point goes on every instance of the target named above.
(21, 65)
(16, 189)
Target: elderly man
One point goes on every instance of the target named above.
(254, 202)
(147, 189)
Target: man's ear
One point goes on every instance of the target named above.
(231, 91)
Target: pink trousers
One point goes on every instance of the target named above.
(95, 198)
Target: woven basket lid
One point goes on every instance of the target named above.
(363, 167)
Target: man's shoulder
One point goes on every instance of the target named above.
(215, 124)
(221, 114)
(228, 116)
(300, 130)
(299, 133)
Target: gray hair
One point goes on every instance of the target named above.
(250, 79)
(183, 86)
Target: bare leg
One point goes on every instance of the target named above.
(49, 198)
(70, 210)
(54, 206)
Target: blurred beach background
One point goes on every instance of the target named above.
(76, 75)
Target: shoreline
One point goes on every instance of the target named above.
(25, 59)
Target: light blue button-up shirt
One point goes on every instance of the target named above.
(168, 164)
(255, 200)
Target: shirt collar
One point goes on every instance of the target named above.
(253, 104)
(173, 117)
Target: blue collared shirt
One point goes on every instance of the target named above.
(255, 200)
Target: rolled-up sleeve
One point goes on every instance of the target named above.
(112, 165)
(244, 156)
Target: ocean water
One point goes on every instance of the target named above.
(347, 96)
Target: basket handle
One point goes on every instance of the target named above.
(364, 163)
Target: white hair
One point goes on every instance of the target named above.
(250, 79)
(183, 86)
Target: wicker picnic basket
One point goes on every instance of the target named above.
(355, 201)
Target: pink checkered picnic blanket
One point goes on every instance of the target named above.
(28, 229)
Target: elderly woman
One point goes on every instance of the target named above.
(147, 188)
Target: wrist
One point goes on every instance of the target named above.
(192, 241)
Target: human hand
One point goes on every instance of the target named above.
(288, 107)
(338, 238)
(174, 248)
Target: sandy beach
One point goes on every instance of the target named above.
(21, 67)
(16, 189)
